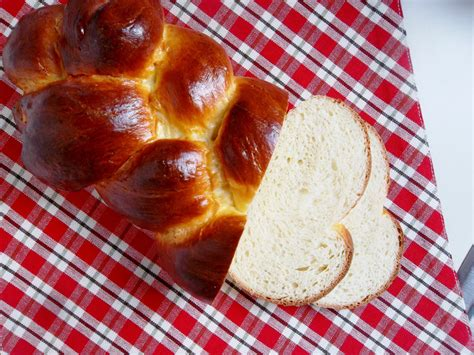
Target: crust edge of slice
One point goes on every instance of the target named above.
(348, 252)
(386, 285)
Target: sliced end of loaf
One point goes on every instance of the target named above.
(293, 249)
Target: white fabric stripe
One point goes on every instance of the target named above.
(410, 174)
(408, 313)
(30, 324)
(435, 284)
(378, 19)
(283, 328)
(412, 234)
(362, 42)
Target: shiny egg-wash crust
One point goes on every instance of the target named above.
(148, 113)
(32, 64)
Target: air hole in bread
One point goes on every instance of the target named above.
(304, 191)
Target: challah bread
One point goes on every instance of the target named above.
(295, 248)
(150, 114)
(377, 238)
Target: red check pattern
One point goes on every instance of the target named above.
(78, 278)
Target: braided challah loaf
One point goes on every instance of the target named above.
(150, 114)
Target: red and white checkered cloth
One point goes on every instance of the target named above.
(78, 278)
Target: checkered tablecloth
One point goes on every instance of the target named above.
(75, 277)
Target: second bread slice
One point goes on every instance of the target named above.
(377, 238)
(294, 249)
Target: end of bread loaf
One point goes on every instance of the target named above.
(294, 249)
(377, 238)
(248, 135)
(31, 55)
(200, 263)
(209, 244)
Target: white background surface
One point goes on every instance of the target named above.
(441, 39)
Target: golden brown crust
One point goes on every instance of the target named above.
(200, 264)
(80, 131)
(248, 135)
(163, 185)
(348, 252)
(31, 56)
(111, 37)
(193, 76)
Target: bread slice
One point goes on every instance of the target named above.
(377, 238)
(293, 249)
